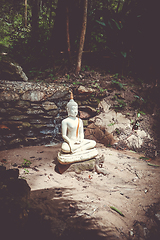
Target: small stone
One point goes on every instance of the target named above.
(8, 96)
(17, 118)
(14, 165)
(53, 113)
(158, 216)
(131, 233)
(49, 105)
(26, 124)
(22, 104)
(2, 110)
(59, 95)
(85, 90)
(15, 141)
(13, 111)
(35, 111)
(84, 115)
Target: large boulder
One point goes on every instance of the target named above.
(112, 128)
(9, 70)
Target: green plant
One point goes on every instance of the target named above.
(26, 163)
(118, 84)
(120, 104)
(115, 76)
(142, 112)
(138, 114)
(111, 124)
(140, 98)
(67, 76)
(117, 131)
(26, 171)
(76, 83)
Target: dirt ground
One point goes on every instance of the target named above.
(81, 203)
(124, 204)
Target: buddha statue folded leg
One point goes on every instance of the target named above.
(68, 158)
(84, 145)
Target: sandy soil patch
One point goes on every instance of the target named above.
(131, 187)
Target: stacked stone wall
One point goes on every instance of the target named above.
(31, 113)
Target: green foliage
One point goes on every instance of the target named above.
(84, 68)
(76, 83)
(26, 171)
(117, 29)
(117, 83)
(139, 98)
(111, 124)
(26, 163)
(117, 131)
(120, 104)
(141, 112)
(68, 76)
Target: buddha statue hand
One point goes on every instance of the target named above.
(74, 146)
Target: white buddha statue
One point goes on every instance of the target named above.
(75, 148)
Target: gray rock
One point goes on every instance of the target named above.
(34, 111)
(2, 110)
(59, 94)
(158, 216)
(38, 126)
(53, 113)
(85, 90)
(8, 96)
(13, 111)
(62, 104)
(33, 96)
(35, 106)
(22, 104)
(49, 105)
(40, 121)
(26, 124)
(10, 70)
(15, 141)
(17, 118)
(113, 122)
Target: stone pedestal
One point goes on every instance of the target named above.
(68, 158)
(77, 167)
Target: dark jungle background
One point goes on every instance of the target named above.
(121, 35)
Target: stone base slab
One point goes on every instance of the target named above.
(78, 167)
(64, 158)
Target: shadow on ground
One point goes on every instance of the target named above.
(50, 216)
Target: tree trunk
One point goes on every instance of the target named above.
(68, 35)
(25, 14)
(82, 37)
(35, 19)
(118, 6)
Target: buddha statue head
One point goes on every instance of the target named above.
(72, 107)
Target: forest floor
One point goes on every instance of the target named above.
(78, 206)
(124, 204)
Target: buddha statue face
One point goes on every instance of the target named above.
(72, 108)
(73, 111)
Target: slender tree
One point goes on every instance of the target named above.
(67, 34)
(82, 37)
(25, 14)
(35, 19)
